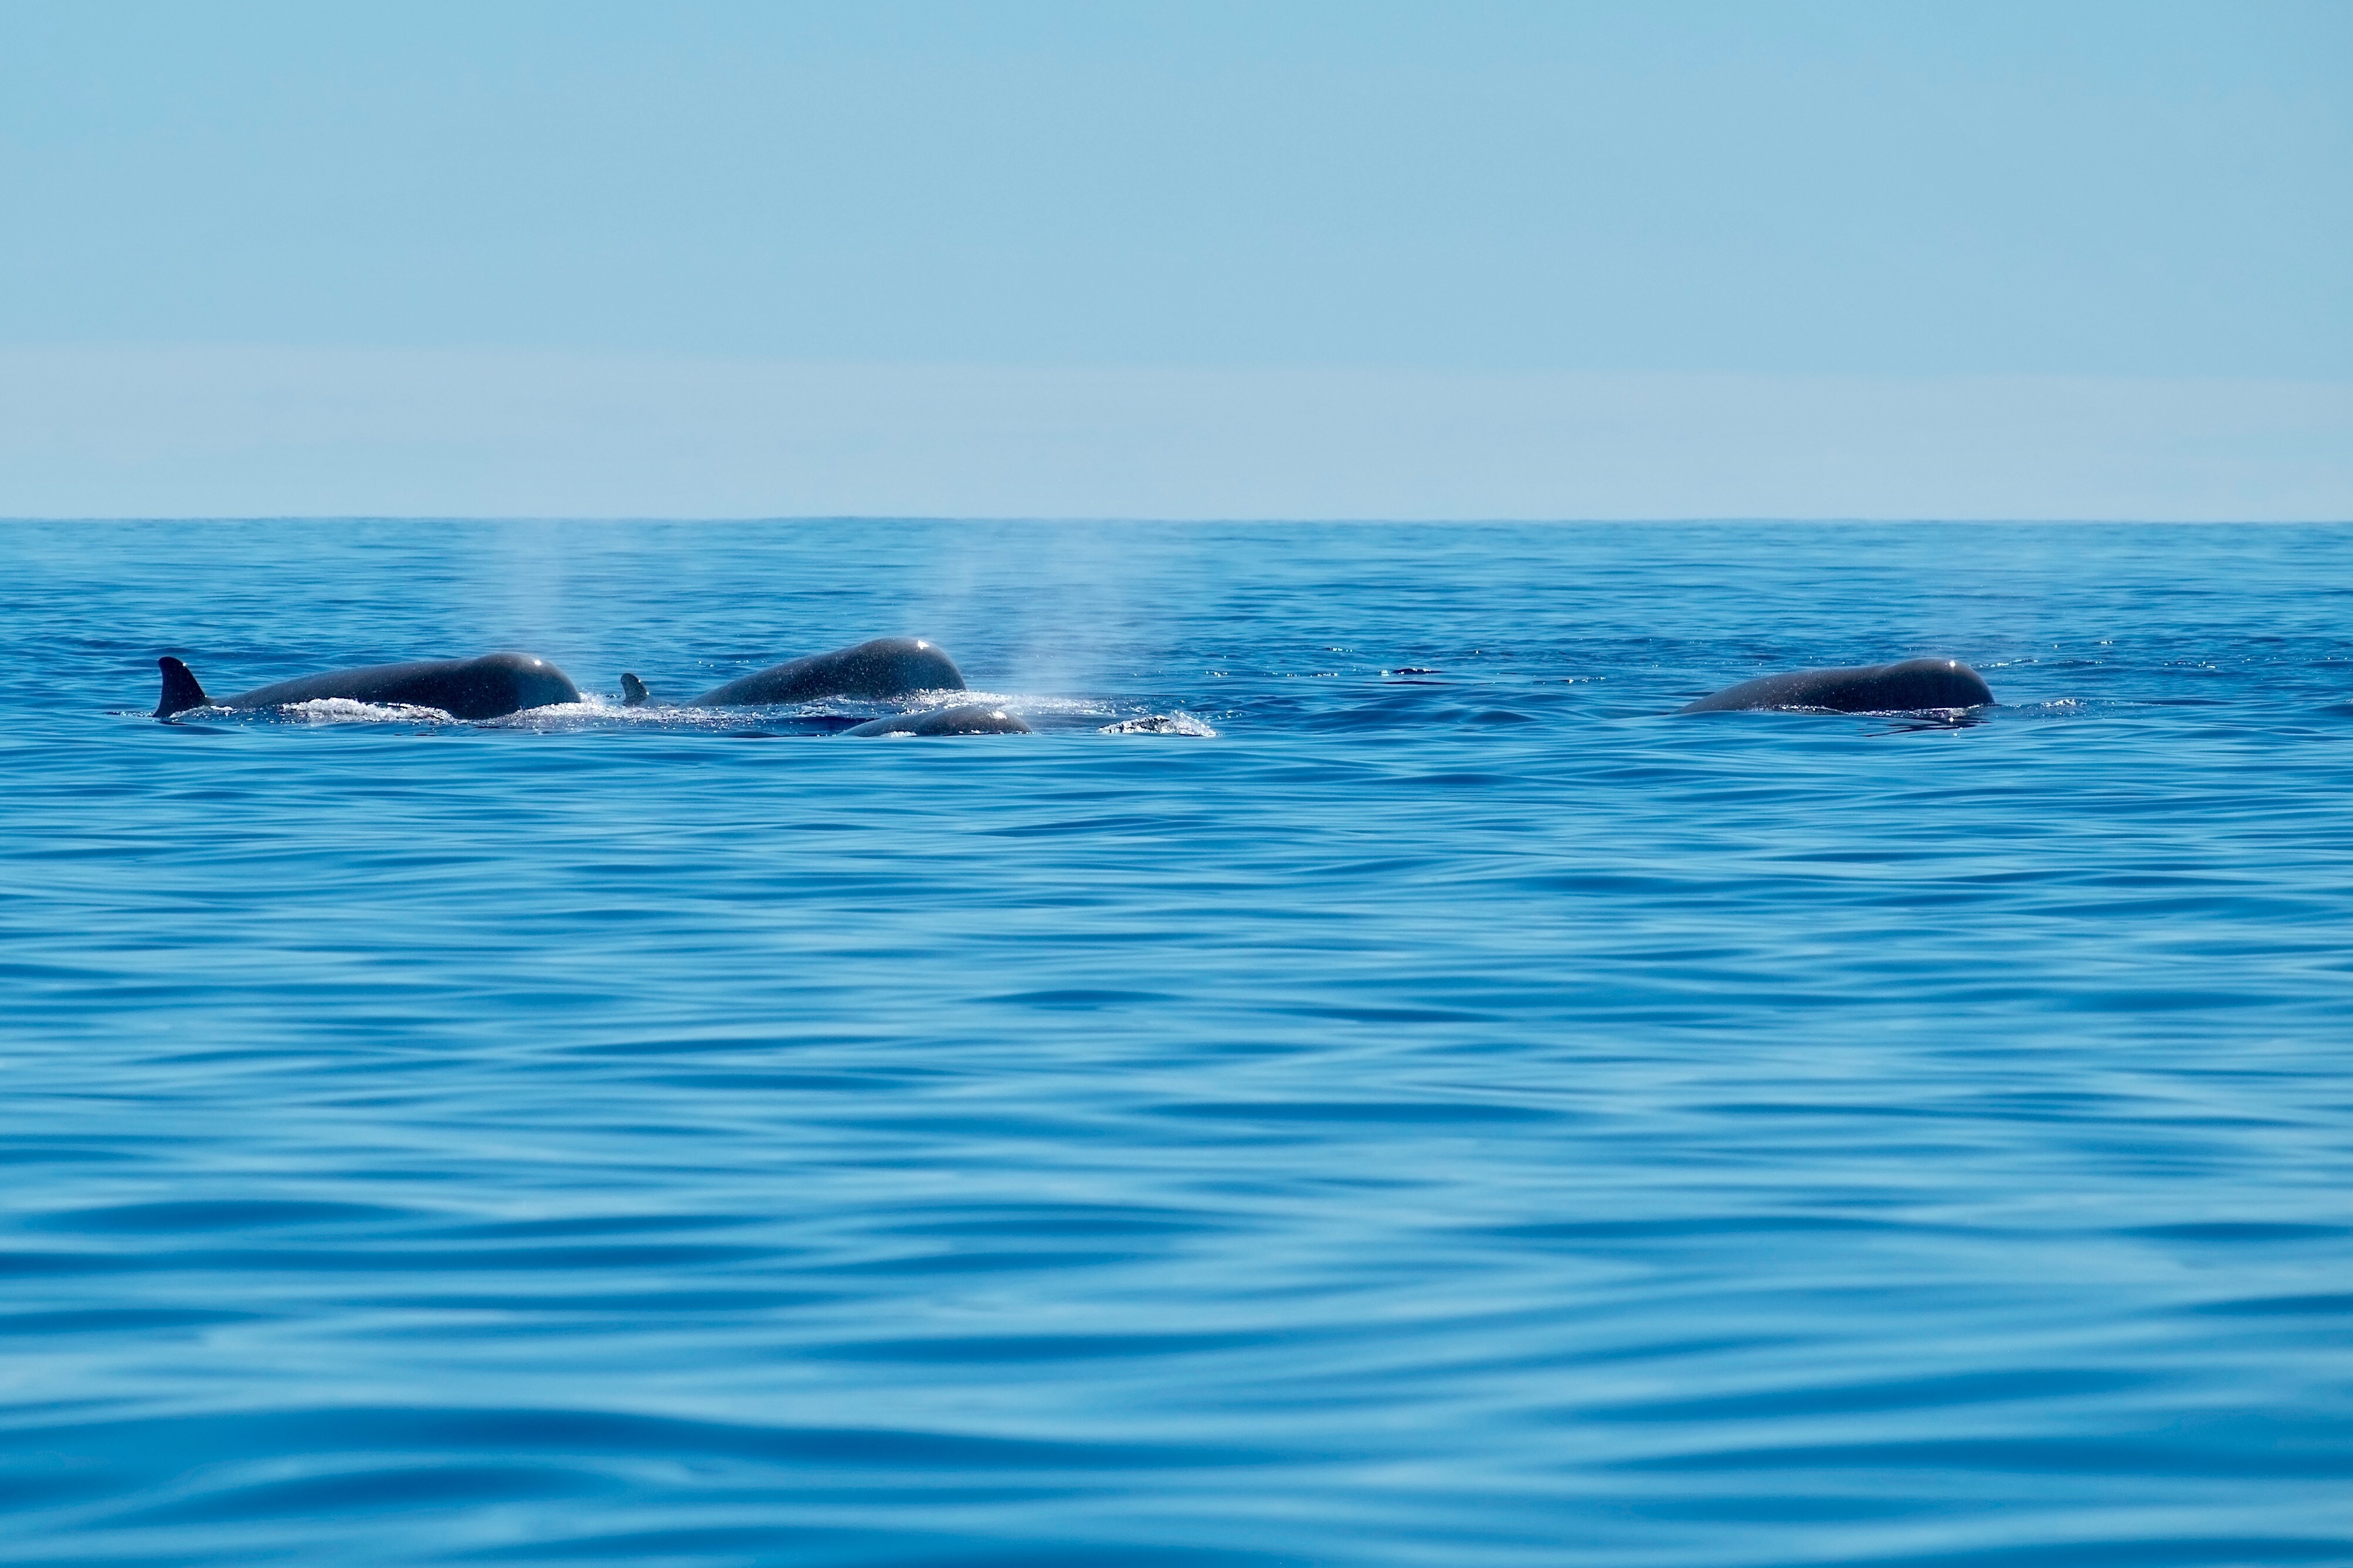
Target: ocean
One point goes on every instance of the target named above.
(1412, 1098)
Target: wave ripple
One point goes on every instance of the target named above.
(1465, 1116)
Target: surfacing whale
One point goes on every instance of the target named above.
(970, 719)
(1901, 688)
(487, 688)
(887, 667)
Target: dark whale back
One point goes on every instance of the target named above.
(971, 719)
(486, 687)
(887, 667)
(1914, 683)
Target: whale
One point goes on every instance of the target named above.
(970, 719)
(486, 687)
(886, 666)
(1900, 688)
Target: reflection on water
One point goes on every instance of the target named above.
(1441, 1108)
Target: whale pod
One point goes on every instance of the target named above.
(1901, 688)
(887, 667)
(484, 687)
(971, 719)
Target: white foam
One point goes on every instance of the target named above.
(347, 710)
(589, 707)
(1159, 724)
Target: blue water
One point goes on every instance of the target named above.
(1460, 1118)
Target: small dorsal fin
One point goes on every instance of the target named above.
(633, 690)
(181, 692)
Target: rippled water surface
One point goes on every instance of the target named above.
(1457, 1113)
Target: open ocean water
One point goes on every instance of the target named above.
(1456, 1114)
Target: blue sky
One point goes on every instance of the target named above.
(485, 208)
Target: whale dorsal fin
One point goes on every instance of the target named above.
(633, 690)
(181, 692)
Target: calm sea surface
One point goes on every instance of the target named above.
(1454, 1115)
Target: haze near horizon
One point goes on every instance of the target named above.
(1498, 261)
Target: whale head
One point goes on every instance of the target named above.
(513, 681)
